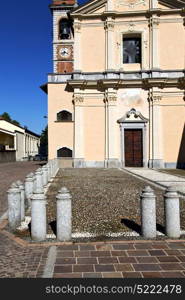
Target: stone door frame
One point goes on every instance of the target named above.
(136, 125)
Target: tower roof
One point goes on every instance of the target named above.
(63, 2)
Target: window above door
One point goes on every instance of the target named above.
(132, 49)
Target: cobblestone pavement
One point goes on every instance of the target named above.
(10, 172)
(17, 261)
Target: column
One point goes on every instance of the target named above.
(110, 44)
(156, 134)
(77, 42)
(154, 43)
(111, 126)
(15, 141)
(78, 131)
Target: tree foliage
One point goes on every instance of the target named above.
(7, 117)
(44, 142)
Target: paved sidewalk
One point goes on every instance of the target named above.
(160, 178)
(123, 259)
(11, 172)
(17, 261)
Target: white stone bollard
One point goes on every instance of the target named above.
(49, 171)
(38, 176)
(38, 216)
(172, 212)
(64, 215)
(14, 206)
(51, 166)
(21, 187)
(148, 213)
(56, 166)
(45, 175)
(29, 187)
(34, 183)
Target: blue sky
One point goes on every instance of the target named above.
(26, 58)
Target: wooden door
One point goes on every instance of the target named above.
(133, 148)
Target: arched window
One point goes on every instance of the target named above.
(64, 152)
(64, 116)
(64, 29)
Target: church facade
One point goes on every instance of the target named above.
(116, 97)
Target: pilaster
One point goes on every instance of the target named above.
(153, 4)
(111, 129)
(110, 5)
(77, 42)
(78, 100)
(154, 42)
(156, 135)
(110, 44)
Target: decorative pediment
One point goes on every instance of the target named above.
(100, 6)
(173, 3)
(133, 116)
(89, 7)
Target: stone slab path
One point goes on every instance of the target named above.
(123, 259)
(160, 178)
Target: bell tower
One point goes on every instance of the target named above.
(63, 35)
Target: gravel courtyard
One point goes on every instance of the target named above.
(104, 200)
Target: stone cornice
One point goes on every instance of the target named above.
(119, 75)
(116, 83)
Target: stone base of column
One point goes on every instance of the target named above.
(78, 163)
(156, 163)
(113, 163)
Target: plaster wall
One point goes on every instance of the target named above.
(93, 49)
(60, 134)
(173, 112)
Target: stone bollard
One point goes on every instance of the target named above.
(39, 182)
(64, 215)
(14, 206)
(21, 187)
(172, 212)
(45, 175)
(38, 215)
(148, 213)
(56, 166)
(29, 188)
(51, 166)
(49, 171)
(34, 183)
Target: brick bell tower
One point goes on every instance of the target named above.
(63, 35)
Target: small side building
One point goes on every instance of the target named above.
(17, 143)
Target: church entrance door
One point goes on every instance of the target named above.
(133, 147)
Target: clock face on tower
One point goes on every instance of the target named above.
(65, 52)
